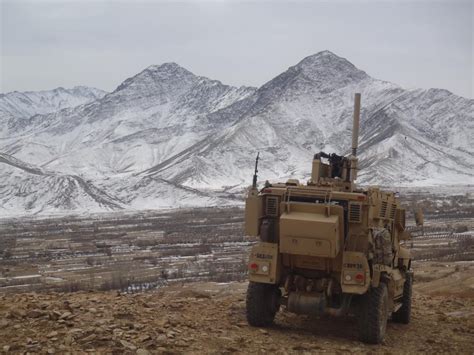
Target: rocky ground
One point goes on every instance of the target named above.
(210, 318)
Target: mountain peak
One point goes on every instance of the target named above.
(321, 54)
(323, 71)
(168, 68)
(156, 74)
(328, 69)
(164, 65)
(326, 60)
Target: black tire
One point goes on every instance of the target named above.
(263, 302)
(373, 315)
(403, 314)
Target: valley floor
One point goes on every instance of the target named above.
(210, 318)
(171, 282)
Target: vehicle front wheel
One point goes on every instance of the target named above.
(263, 302)
(403, 314)
(373, 315)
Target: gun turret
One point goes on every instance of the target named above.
(254, 183)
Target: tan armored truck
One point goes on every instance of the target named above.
(328, 247)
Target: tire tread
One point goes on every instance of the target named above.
(258, 304)
(369, 317)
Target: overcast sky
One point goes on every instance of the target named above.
(46, 44)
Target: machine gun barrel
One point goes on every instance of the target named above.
(355, 127)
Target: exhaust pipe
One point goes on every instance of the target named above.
(355, 126)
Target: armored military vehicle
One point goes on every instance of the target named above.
(327, 247)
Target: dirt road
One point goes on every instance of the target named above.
(210, 318)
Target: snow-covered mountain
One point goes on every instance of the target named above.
(150, 117)
(416, 137)
(16, 107)
(167, 137)
(26, 187)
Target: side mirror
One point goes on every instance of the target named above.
(419, 217)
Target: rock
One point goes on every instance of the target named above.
(68, 340)
(76, 330)
(170, 334)
(65, 315)
(128, 345)
(173, 322)
(6, 348)
(89, 338)
(52, 334)
(16, 313)
(124, 315)
(181, 344)
(161, 323)
(4, 323)
(144, 337)
(161, 339)
(194, 294)
(232, 349)
(142, 352)
(34, 313)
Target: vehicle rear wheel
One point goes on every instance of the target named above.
(263, 301)
(403, 314)
(373, 315)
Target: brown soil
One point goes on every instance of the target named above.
(210, 318)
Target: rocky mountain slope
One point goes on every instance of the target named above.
(166, 136)
(35, 190)
(416, 137)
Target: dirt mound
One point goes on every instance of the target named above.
(445, 279)
(210, 318)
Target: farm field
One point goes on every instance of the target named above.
(133, 252)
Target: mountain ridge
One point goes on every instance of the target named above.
(165, 133)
